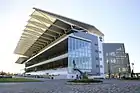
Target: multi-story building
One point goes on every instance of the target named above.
(116, 61)
(53, 44)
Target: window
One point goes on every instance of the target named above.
(79, 51)
(96, 51)
(101, 66)
(97, 73)
(97, 65)
(112, 53)
(97, 58)
(106, 54)
(100, 59)
(101, 73)
(96, 44)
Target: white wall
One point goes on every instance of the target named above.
(100, 45)
(57, 71)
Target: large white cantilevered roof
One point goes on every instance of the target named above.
(43, 28)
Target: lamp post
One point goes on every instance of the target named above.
(109, 72)
(132, 72)
(132, 66)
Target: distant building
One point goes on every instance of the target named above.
(116, 61)
(51, 43)
(128, 61)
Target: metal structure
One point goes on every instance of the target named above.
(43, 29)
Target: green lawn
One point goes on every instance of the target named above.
(86, 81)
(129, 78)
(6, 80)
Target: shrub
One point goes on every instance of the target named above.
(85, 76)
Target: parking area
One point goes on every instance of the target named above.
(60, 86)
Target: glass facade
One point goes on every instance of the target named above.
(116, 61)
(79, 51)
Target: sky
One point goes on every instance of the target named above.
(119, 20)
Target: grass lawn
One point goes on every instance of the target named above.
(6, 80)
(86, 81)
(129, 78)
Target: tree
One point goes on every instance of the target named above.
(2, 73)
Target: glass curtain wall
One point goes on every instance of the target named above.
(79, 51)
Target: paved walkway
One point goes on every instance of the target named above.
(60, 86)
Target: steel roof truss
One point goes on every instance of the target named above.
(36, 34)
(47, 16)
(42, 21)
(35, 29)
(29, 34)
(54, 31)
(38, 42)
(47, 21)
(45, 38)
(51, 21)
(35, 47)
(37, 24)
(49, 35)
(32, 31)
(27, 37)
(42, 40)
(39, 45)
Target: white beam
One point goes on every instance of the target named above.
(50, 60)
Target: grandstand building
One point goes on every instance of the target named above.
(53, 44)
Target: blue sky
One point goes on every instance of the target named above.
(119, 20)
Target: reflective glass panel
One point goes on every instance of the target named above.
(79, 51)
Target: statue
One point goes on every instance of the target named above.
(82, 75)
